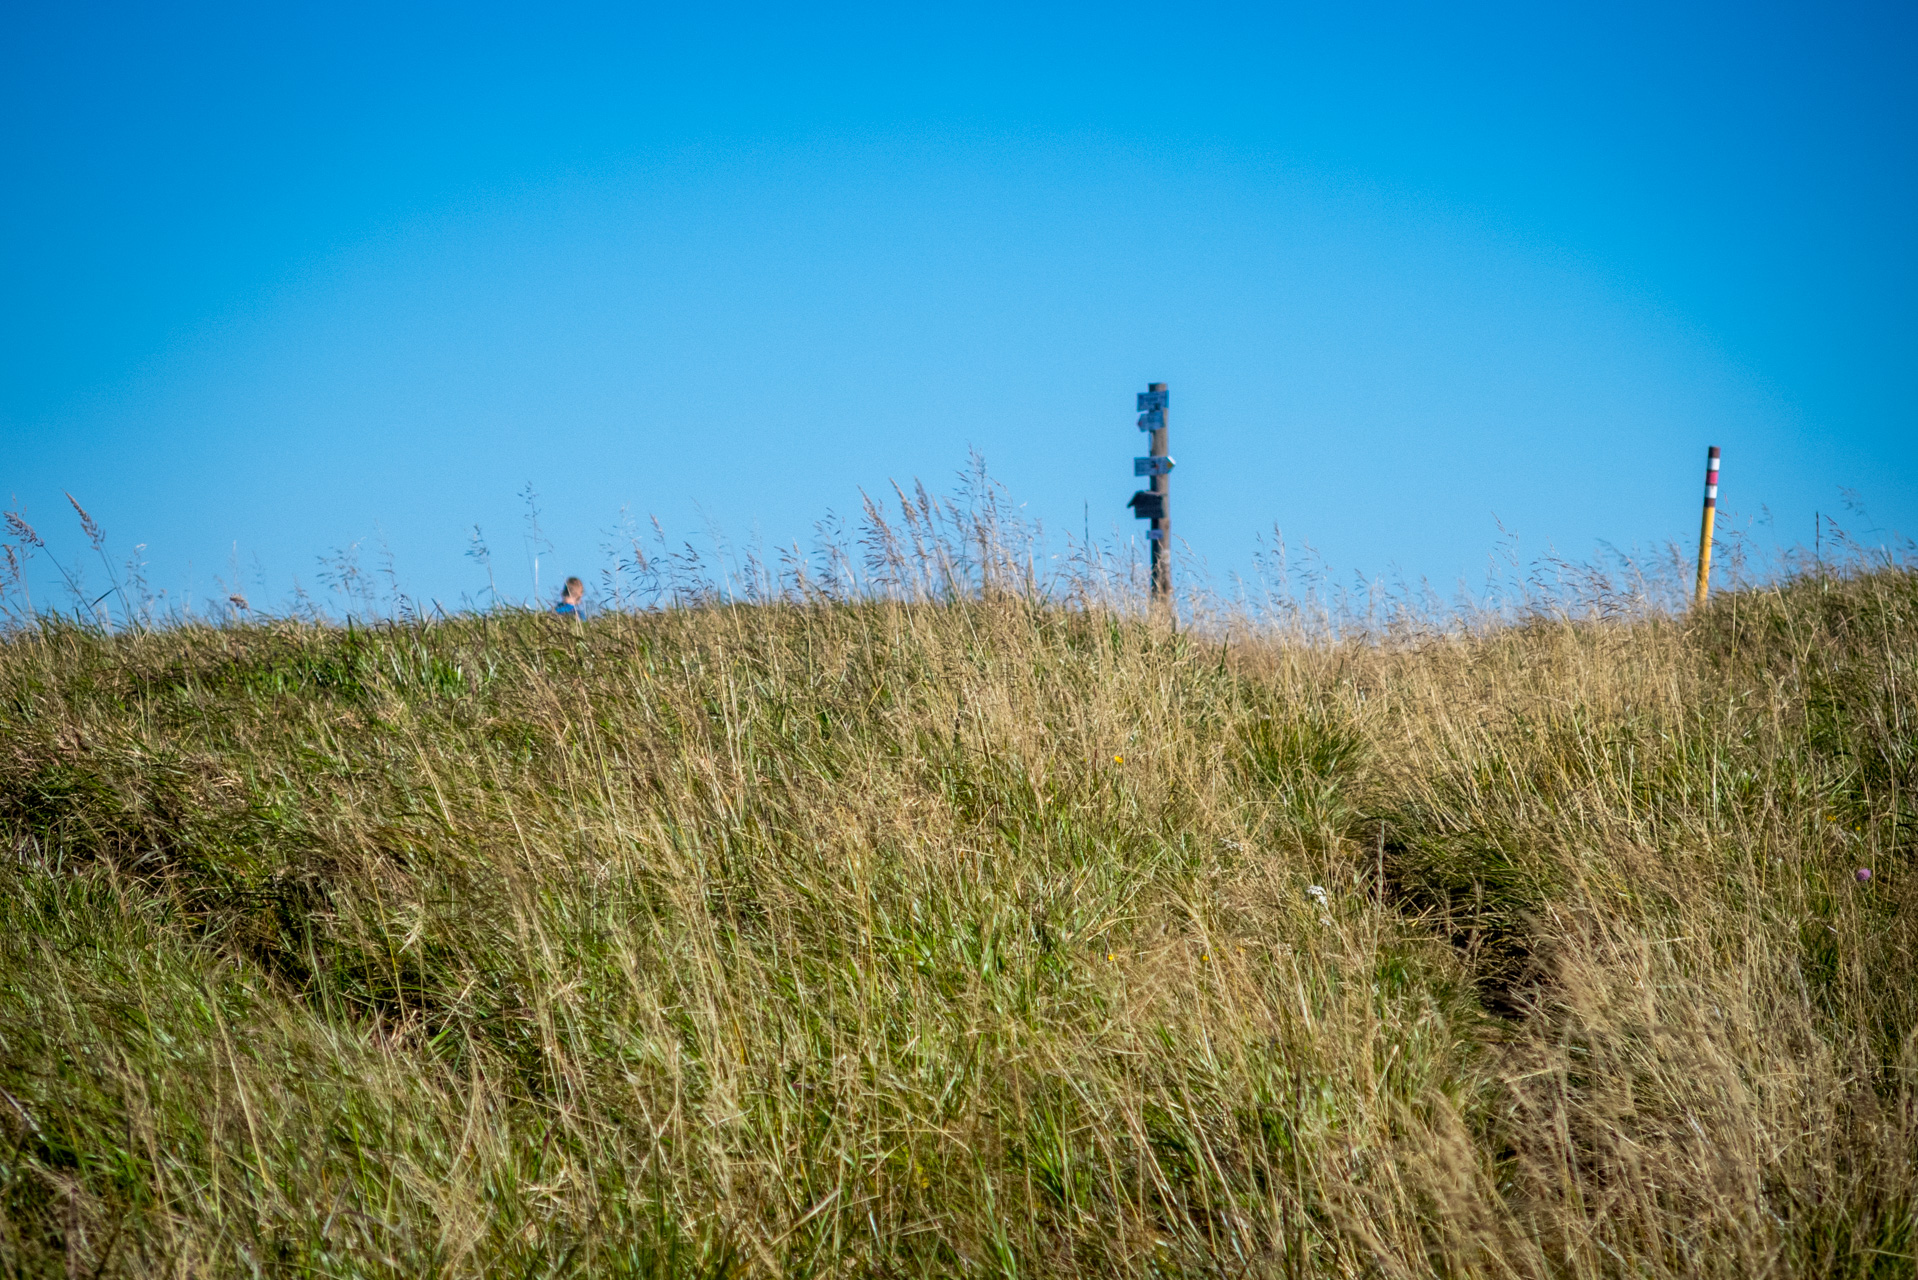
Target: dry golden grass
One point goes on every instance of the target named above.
(984, 936)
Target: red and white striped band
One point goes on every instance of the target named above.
(1711, 478)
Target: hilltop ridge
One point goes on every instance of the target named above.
(991, 936)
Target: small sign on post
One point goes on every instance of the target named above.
(1152, 466)
(1147, 505)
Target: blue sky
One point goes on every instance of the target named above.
(284, 278)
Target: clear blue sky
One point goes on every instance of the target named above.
(283, 276)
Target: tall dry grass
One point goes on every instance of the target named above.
(962, 927)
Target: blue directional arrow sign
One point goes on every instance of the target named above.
(1152, 466)
(1151, 400)
(1152, 421)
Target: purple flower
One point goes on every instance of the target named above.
(1864, 875)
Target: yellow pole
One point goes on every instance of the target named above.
(1705, 525)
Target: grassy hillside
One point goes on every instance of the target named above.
(995, 938)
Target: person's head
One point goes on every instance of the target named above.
(575, 591)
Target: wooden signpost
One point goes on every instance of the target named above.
(1154, 504)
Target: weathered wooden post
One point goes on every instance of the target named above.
(1154, 504)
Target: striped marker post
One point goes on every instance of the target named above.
(1705, 526)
